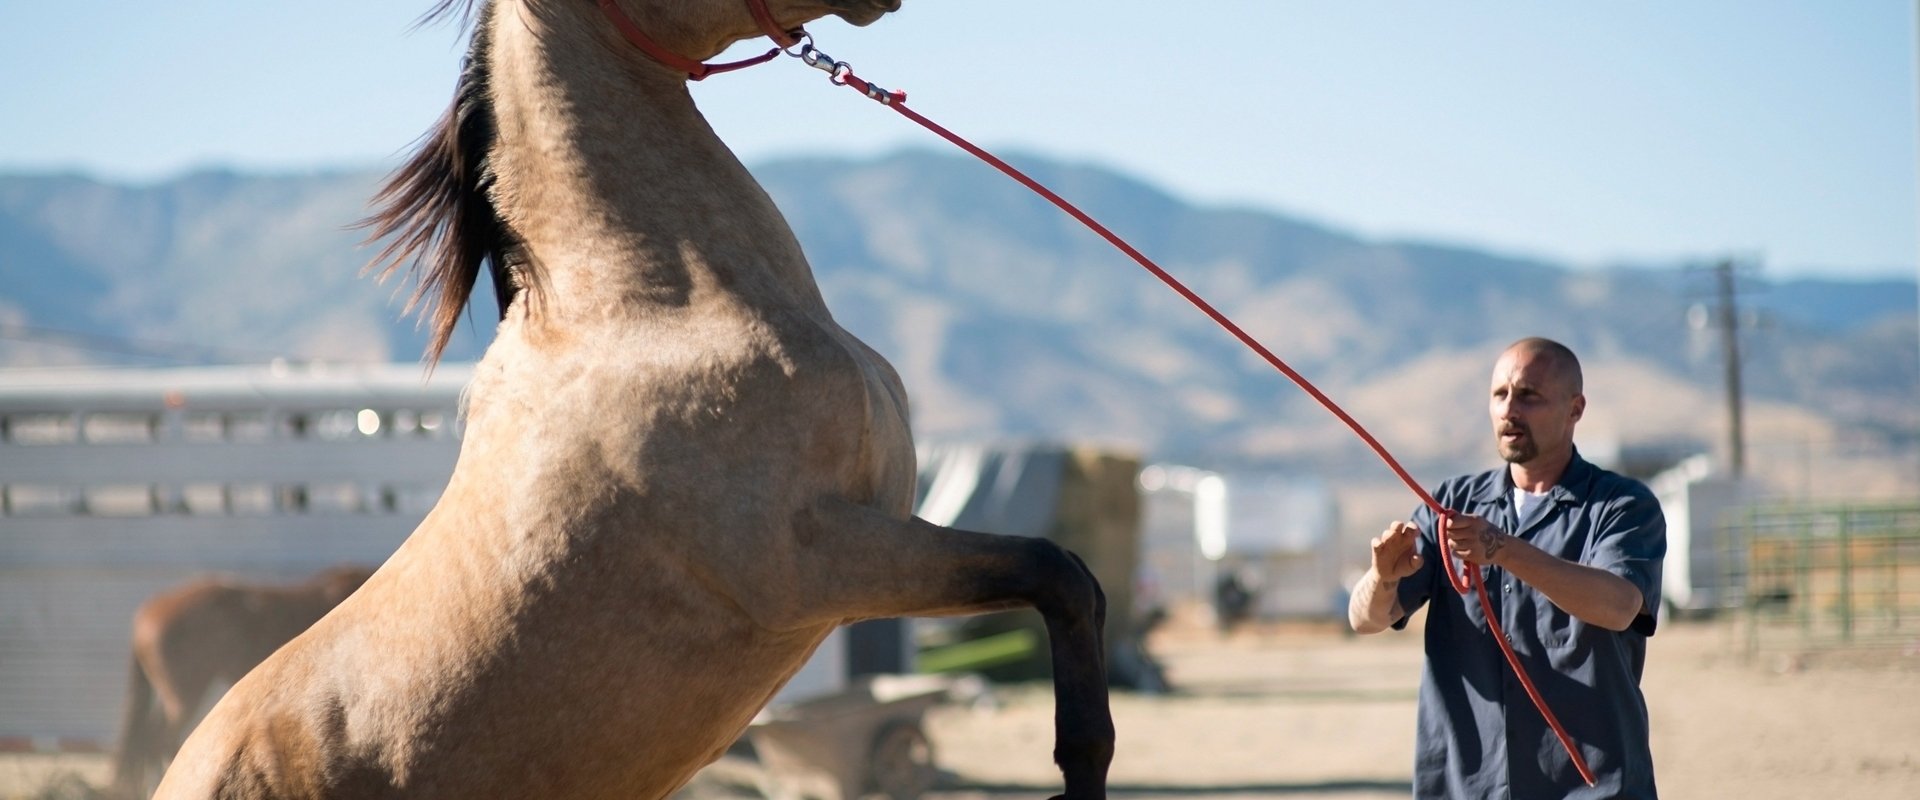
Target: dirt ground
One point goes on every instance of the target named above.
(1304, 712)
(1300, 711)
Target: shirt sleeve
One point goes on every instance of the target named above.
(1631, 543)
(1416, 589)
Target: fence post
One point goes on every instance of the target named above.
(1846, 576)
(1748, 598)
(1803, 576)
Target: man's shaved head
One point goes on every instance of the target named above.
(1566, 365)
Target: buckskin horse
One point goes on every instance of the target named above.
(209, 630)
(679, 473)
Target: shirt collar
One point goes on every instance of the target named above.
(1574, 484)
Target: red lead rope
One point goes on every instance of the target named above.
(841, 73)
(1472, 581)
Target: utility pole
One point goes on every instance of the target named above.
(1729, 322)
(1724, 318)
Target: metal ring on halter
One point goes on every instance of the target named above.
(804, 41)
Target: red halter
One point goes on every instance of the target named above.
(694, 69)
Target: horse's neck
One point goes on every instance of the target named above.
(623, 195)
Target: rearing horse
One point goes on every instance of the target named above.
(679, 473)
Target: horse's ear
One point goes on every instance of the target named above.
(437, 210)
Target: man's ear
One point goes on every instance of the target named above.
(1579, 406)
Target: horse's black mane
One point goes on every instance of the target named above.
(437, 206)
(445, 7)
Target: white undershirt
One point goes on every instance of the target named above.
(1524, 500)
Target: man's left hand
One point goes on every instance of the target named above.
(1474, 539)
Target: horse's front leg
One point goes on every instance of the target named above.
(865, 564)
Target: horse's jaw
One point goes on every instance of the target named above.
(861, 13)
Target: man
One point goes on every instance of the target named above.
(1571, 557)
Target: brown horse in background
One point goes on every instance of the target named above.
(210, 629)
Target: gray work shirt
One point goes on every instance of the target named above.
(1479, 735)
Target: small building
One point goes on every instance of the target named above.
(1704, 565)
(1275, 533)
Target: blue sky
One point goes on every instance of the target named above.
(1630, 130)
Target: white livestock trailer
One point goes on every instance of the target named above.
(117, 483)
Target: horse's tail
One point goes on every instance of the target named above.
(140, 734)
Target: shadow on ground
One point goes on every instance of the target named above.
(1186, 790)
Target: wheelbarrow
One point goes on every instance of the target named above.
(863, 741)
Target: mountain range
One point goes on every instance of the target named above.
(1007, 319)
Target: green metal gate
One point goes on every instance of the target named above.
(1828, 576)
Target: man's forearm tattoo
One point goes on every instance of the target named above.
(1493, 540)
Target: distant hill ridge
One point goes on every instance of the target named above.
(1008, 319)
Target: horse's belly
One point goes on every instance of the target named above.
(605, 712)
(595, 692)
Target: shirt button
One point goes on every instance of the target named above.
(1509, 587)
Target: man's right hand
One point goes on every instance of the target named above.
(1375, 603)
(1395, 554)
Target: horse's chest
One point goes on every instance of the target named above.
(808, 377)
(850, 406)
(802, 395)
